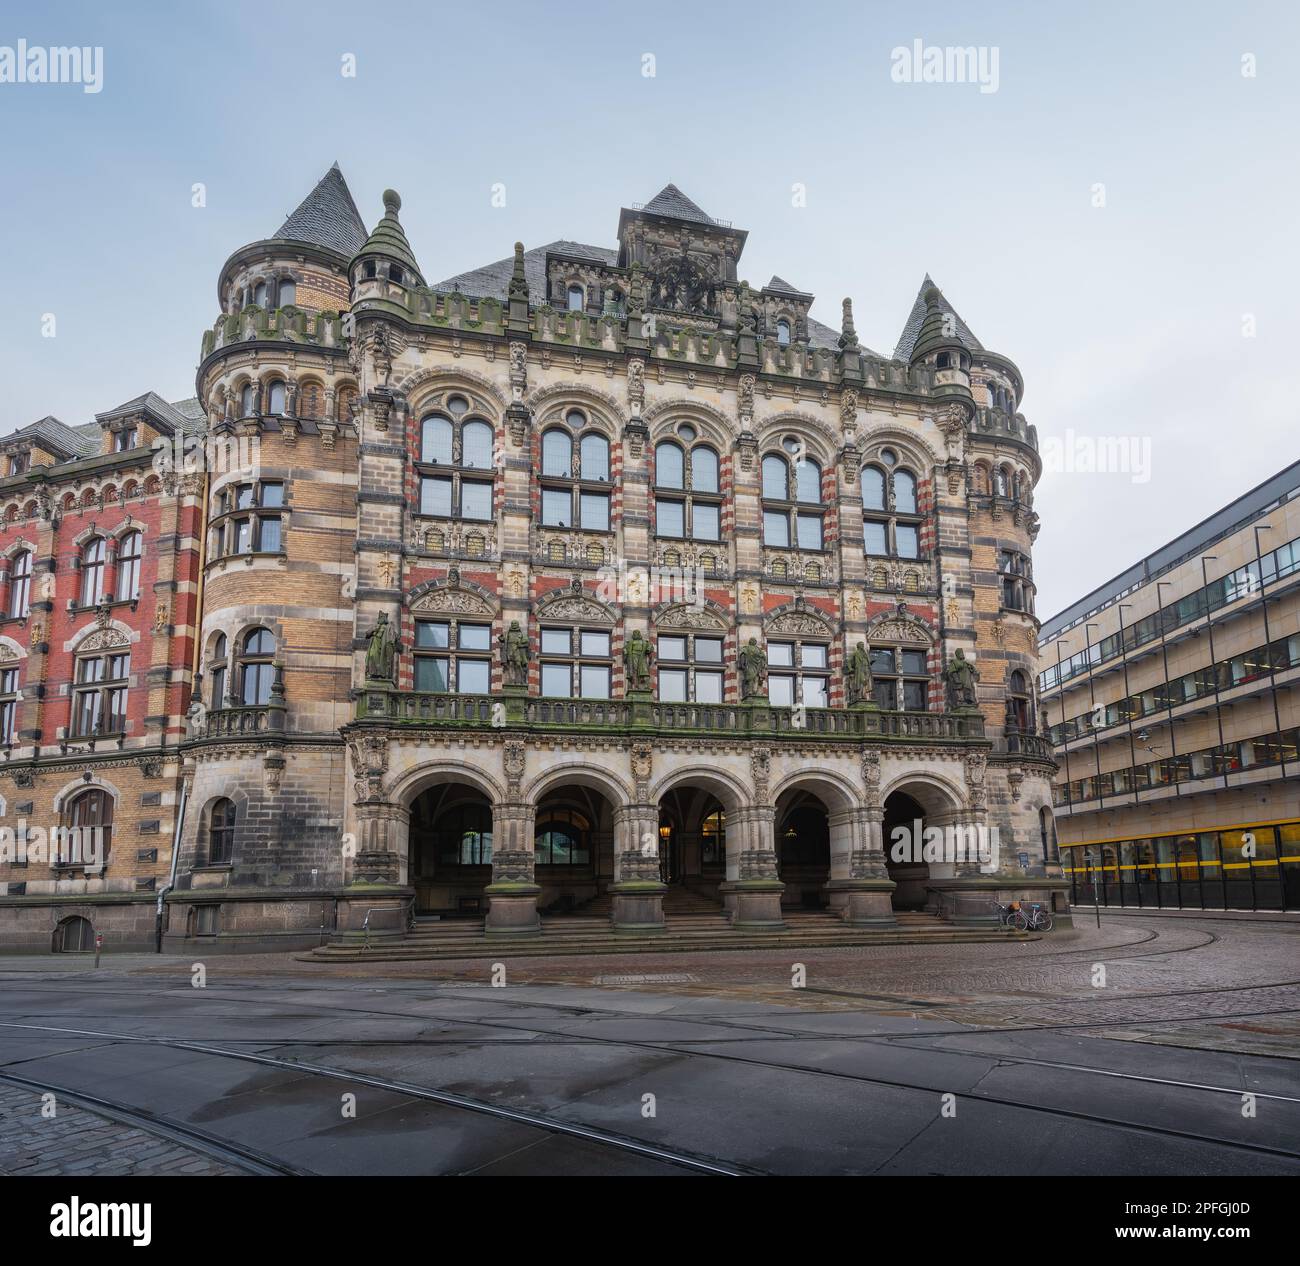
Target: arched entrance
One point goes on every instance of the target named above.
(449, 858)
(74, 935)
(903, 814)
(573, 848)
(803, 847)
(692, 838)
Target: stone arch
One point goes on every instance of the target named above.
(936, 793)
(11, 651)
(417, 387)
(836, 791)
(580, 772)
(584, 607)
(602, 409)
(714, 425)
(730, 791)
(94, 637)
(825, 440)
(914, 448)
(795, 618)
(902, 626)
(432, 395)
(706, 616)
(419, 778)
(16, 547)
(70, 790)
(454, 597)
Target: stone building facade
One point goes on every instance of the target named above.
(591, 576)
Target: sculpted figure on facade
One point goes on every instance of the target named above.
(961, 676)
(857, 675)
(381, 654)
(514, 655)
(753, 669)
(636, 656)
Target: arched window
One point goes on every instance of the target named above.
(221, 833)
(696, 510)
(460, 449)
(1019, 705)
(8, 703)
(74, 935)
(576, 299)
(783, 333)
(309, 401)
(129, 551)
(562, 838)
(88, 829)
(1003, 485)
(275, 397)
(575, 493)
(217, 674)
(248, 401)
(259, 294)
(99, 693)
(92, 571)
(246, 519)
(255, 668)
(288, 292)
(791, 490)
(20, 585)
(891, 523)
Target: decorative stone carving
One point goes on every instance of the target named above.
(796, 622)
(758, 864)
(953, 426)
(976, 763)
(960, 677)
(104, 638)
(642, 767)
(897, 629)
(1015, 777)
(687, 617)
(515, 756)
(579, 610)
(512, 866)
(635, 385)
(753, 669)
(857, 675)
(760, 770)
(871, 776)
(636, 658)
(514, 655)
(451, 602)
(381, 655)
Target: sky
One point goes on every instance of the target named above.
(1117, 215)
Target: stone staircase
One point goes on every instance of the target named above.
(693, 923)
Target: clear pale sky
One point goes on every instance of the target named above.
(1126, 320)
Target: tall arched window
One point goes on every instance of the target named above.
(456, 465)
(221, 833)
(92, 571)
(575, 490)
(288, 292)
(891, 522)
(1020, 710)
(792, 513)
(88, 829)
(687, 500)
(217, 674)
(248, 401)
(783, 333)
(255, 668)
(8, 703)
(20, 584)
(99, 693)
(276, 397)
(259, 294)
(129, 552)
(575, 299)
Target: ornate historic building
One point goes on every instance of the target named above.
(581, 581)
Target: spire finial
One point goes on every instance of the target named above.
(848, 335)
(392, 202)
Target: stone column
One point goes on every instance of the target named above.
(752, 891)
(374, 904)
(860, 887)
(638, 889)
(512, 894)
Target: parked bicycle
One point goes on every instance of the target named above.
(1033, 918)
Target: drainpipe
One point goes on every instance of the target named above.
(171, 878)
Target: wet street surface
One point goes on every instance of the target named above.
(1144, 1047)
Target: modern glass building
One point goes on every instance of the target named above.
(1169, 695)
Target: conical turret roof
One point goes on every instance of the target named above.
(389, 238)
(327, 217)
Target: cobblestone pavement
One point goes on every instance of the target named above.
(79, 1143)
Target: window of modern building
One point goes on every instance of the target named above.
(20, 585)
(92, 571)
(798, 673)
(792, 500)
(129, 552)
(453, 657)
(221, 833)
(687, 498)
(900, 678)
(575, 478)
(256, 668)
(690, 668)
(576, 663)
(891, 522)
(99, 694)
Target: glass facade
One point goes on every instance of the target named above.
(1250, 867)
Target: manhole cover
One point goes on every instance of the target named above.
(669, 978)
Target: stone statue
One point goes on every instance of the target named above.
(636, 655)
(753, 669)
(961, 676)
(381, 655)
(857, 673)
(514, 655)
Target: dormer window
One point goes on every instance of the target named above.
(125, 439)
(20, 463)
(577, 300)
(783, 333)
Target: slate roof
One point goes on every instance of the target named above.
(786, 288)
(86, 439)
(60, 437)
(673, 202)
(328, 217)
(492, 281)
(907, 339)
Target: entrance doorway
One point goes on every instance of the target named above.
(450, 851)
(909, 875)
(803, 848)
